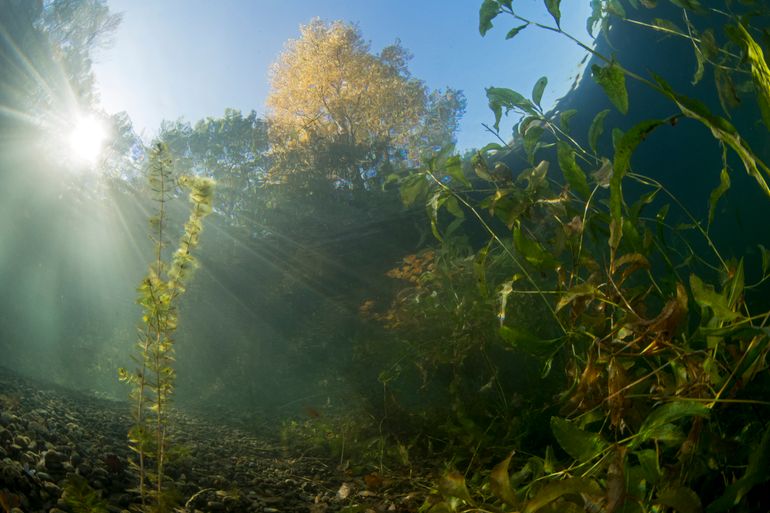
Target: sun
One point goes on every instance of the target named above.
(87, 139)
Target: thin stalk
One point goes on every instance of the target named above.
(497, 240)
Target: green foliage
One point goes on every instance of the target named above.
(81, 498)
(613, 80)
(664, 374)
(152, 383)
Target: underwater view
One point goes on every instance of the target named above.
(496, 256)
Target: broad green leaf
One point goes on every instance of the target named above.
(453, 207)
(722, 130)
(759, 72)
(765, 259)
(666, 25)
(718, 192)
(681, 499)
(480, 269)
(580, 445)
(531, 250)
(524, 340)
(515, 31)
(413, 187)
(621, 163)
(488, 11)
(501, 97)
(707, 297)
(700, 62)
(454, 168)
(616, 8)
(552, 491)
(617, 135)
(596, 129)
(565, 117)
(575, 176)
(500, 483)
(537, 90)
(612, 79)
(648, 460)
(734, 286)
(651, 428)
(577, 292)
(728, 95)
(709, 45)
(553, 8)
(452, 484)
(757, 472)
(531, 138)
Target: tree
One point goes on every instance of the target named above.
(341, 113)
(232, 150)
(46, 56)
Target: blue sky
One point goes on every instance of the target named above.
(191, 59)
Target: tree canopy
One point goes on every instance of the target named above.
(341, 112)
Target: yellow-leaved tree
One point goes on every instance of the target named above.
(342, 113)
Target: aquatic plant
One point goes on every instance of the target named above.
(81, 498)
(663, 356)
(153, 382)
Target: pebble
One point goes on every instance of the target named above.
(61, 435)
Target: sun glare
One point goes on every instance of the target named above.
(86, 139)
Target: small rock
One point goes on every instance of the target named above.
(6, 418)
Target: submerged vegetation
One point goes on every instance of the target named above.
(661, 355)
(571, 318)
(153, 381)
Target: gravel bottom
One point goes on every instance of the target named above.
(51, 436)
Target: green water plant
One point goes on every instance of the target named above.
(81, 498)
(152, 383)
(663, 354)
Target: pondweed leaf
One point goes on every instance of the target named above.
(531, 249)
(565, 118)
(718, 192)
(757, 472)
(622, 162)
(573, 486)
(515, 30)
(721, 129)
(501, 97)
(655, 426)
(612, 79)
(452, 484)
(728, 94)
(707, 297)
(553, 8)
(681, 499)
(500, 482)
(580, 445)
(596, 129)
(488, 11)
(575, 176)
(577, 292)
(537, 90)
(759, 72)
